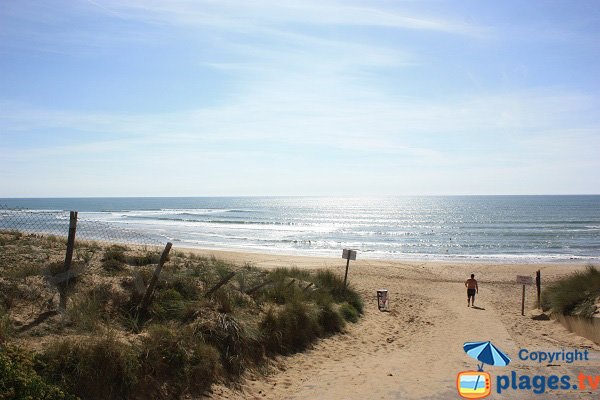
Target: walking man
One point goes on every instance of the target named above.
(472, 288)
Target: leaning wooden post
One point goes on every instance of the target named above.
(538, 284)
(143, 307)
(290, 283)
(62, 302)
(223, 281)
(259, 286)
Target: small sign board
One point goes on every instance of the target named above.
(524, 280)
(349, 254)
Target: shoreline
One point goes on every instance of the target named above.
(456, 259)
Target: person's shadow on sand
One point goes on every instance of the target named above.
(478, 308)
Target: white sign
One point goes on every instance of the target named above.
(349, 254)
(524, 280)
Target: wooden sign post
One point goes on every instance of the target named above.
(348, 255)
(538, 285)
(524, 280)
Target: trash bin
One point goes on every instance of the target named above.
(382, 300)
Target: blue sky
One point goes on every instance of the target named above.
(239, 97)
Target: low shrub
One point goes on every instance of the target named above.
(330, 319)
(19, 380)
(334, 283)
(238, 346)
(224, 301)
(183, 283)
(143, 259)
(282, 292)
(91, 368)
(349, 312)
(575, 294)
(114, 259)
(167, 305)
(174, 364)
(290, 330)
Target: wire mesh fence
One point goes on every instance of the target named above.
(56, 223)
(62, 246)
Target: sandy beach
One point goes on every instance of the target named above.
(415, 350)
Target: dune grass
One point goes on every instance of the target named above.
(191, 335)
(576, 294)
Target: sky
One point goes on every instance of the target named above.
(276, 97)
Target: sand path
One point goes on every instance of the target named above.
(415, 350)
(391, 355)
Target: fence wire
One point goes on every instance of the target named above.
(56, 223)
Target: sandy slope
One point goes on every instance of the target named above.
(415, 350)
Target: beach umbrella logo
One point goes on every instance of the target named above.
(478, 384)
(486, 353)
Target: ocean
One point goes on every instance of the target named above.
(495, 228)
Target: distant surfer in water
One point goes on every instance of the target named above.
(472, 288)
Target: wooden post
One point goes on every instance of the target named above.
(346, 274)
(348, 254)
(307, 286)
(261, 285)
(62, 291)
(221, 283)
(538, 284)
(290, 283)
(71, 239)
(143, 307)
(523, 302)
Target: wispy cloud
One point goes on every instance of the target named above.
(240, 15)
(415, 129)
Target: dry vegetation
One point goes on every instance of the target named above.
(577, 294)
(100, 348)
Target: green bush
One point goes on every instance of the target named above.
(183, 283)
(168, 305)
(334, 284)
(238, 346)
(290, 330)
(280, 293)
(349, 312)
(144, 259)
(19, 381)
(330, 320)
(174, 364)
(575, 294)
(92, 368)
(114, 259)
(281, 273)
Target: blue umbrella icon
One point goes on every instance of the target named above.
(487, 353)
